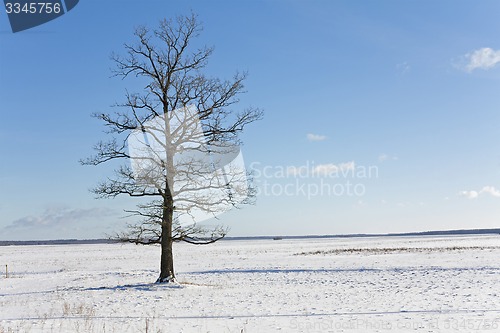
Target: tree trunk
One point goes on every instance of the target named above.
(167, 257)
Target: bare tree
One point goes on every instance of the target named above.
(179, 137)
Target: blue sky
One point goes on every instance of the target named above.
(406, 88)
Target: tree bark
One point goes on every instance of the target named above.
(167, 273)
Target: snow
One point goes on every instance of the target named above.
(411, 284)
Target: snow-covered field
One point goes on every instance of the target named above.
(383, 284)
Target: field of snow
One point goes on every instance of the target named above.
(380, 284)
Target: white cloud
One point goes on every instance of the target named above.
(475, 194)
(315, 137)
(359, 204)
(403, 68)
(491, 190)
(385, 157)
(469, 194)
(484, 58)
(330, 168)
(326, 169)
(59, 216)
